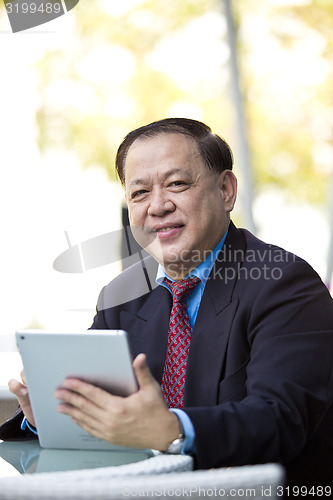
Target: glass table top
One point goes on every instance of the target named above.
(27, 457)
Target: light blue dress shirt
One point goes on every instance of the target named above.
(193, 301)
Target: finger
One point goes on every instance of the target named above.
(72, 411)
(22, 394)
(91, 428)
(79, 393)
(17, 388)
(142, 372)
(75, 400)
(89, 391)
(80, 417)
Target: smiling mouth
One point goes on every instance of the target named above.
(168, 228)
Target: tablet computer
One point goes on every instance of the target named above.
(101, 357)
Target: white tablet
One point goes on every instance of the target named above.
(101, 357)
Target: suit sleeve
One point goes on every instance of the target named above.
(11, 430)
(288, 388)
(99, 322)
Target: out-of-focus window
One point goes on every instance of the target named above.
(71, 89)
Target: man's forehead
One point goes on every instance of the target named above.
(145, 154)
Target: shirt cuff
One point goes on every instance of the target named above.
(189, 432)
(26, 424)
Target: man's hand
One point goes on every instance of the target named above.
(21, 392)
(141, 420)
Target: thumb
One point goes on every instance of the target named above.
(142, 372)
(17, 388)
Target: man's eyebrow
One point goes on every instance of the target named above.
(136, 182)
(141, 181)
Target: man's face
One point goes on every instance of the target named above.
(178, 207)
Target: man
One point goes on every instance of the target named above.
(253, 335)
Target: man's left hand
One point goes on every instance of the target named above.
(141, 420)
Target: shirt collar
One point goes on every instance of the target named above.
(202, 271)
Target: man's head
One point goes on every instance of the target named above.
(179, 189)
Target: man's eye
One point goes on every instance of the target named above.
(177, 183)
(138, 193)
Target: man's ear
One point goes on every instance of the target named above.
(228, 185)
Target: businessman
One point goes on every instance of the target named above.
(232, 338)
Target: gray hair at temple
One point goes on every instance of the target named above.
(214, 150)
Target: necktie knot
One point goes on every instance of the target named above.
(180, 289)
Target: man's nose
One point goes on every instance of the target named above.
(160, 204)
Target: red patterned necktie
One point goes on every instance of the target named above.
(179, 338)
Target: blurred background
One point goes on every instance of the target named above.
(258, 73)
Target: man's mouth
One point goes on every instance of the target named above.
(167, 228)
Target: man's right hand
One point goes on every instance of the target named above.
(21, 392)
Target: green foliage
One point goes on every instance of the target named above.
(129, 40)
(285, 55)
(127, 66)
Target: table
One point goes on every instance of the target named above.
(79, 474)
(27, 457)
(161, 475)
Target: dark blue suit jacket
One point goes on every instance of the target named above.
(259, 382)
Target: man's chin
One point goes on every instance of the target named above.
(174, 265)
(175, 261)
(177, 270)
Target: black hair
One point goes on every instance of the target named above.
(214, 150)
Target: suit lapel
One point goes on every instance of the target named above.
(148, 329)
(213, 325)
